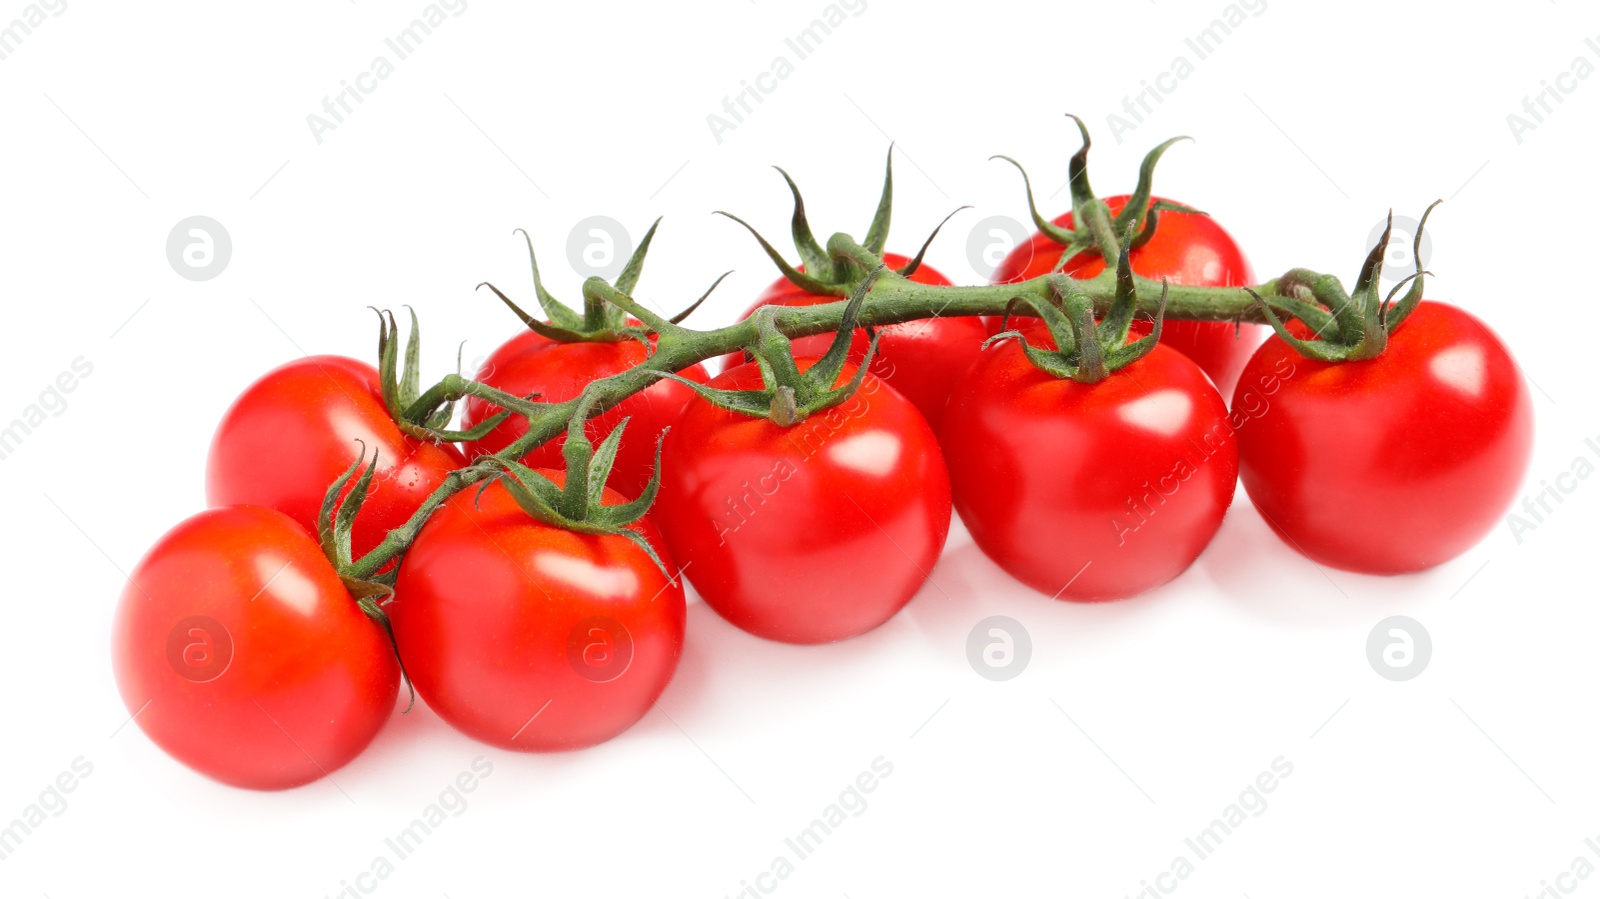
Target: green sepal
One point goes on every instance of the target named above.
(366, 593)
(796, 277)
(812, 256)
(599, 322)
(910, 268)
(1139, 200)
(787, 395)
(578, 505)
(556, 311)
(335, 521)
(1361, 320)
(1086, 351)
(1055, 232)
(878, 232)
(634, 267)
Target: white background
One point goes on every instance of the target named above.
(1135, 724)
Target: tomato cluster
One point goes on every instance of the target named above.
(247, 648)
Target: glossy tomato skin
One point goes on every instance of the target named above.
(559, 372)
(1090, 492)
(239, 652)
(1393, 464)
(1186, 249)
(922, 360)
(531, 637)
(294, 431)
(807, 534)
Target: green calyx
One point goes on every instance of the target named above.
(578, 504)
(427, 415)
(1348, 327)
(1094, 227)
(788, 396)
(1087, 351)
(600, 321)
(335, 522)
(822, 273)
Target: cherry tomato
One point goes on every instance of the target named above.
(559, 372)
(1392, 464)
(532, 637)
(239, 652)
(1186, 249)
(1090, 491)
(921, 359)
(810, 533)
(296, 430)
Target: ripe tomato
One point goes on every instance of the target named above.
(1396, 463)
(1090, 491)
(532, 637)
(922, 360)
(811, 533)
(559, 372)
(296, 430)
(1186, 249)
(240, 653)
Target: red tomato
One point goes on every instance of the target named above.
(292, 433)
(559, 372)
(240, 653)
(1186, 249)
(532, 637)
(1392, 464)
(1090, 491)
(806, 534)
(922, 360)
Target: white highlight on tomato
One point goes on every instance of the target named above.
(607, 583)
(1164, 412)
(286, 584)
(874, 453)
(1460, 368)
